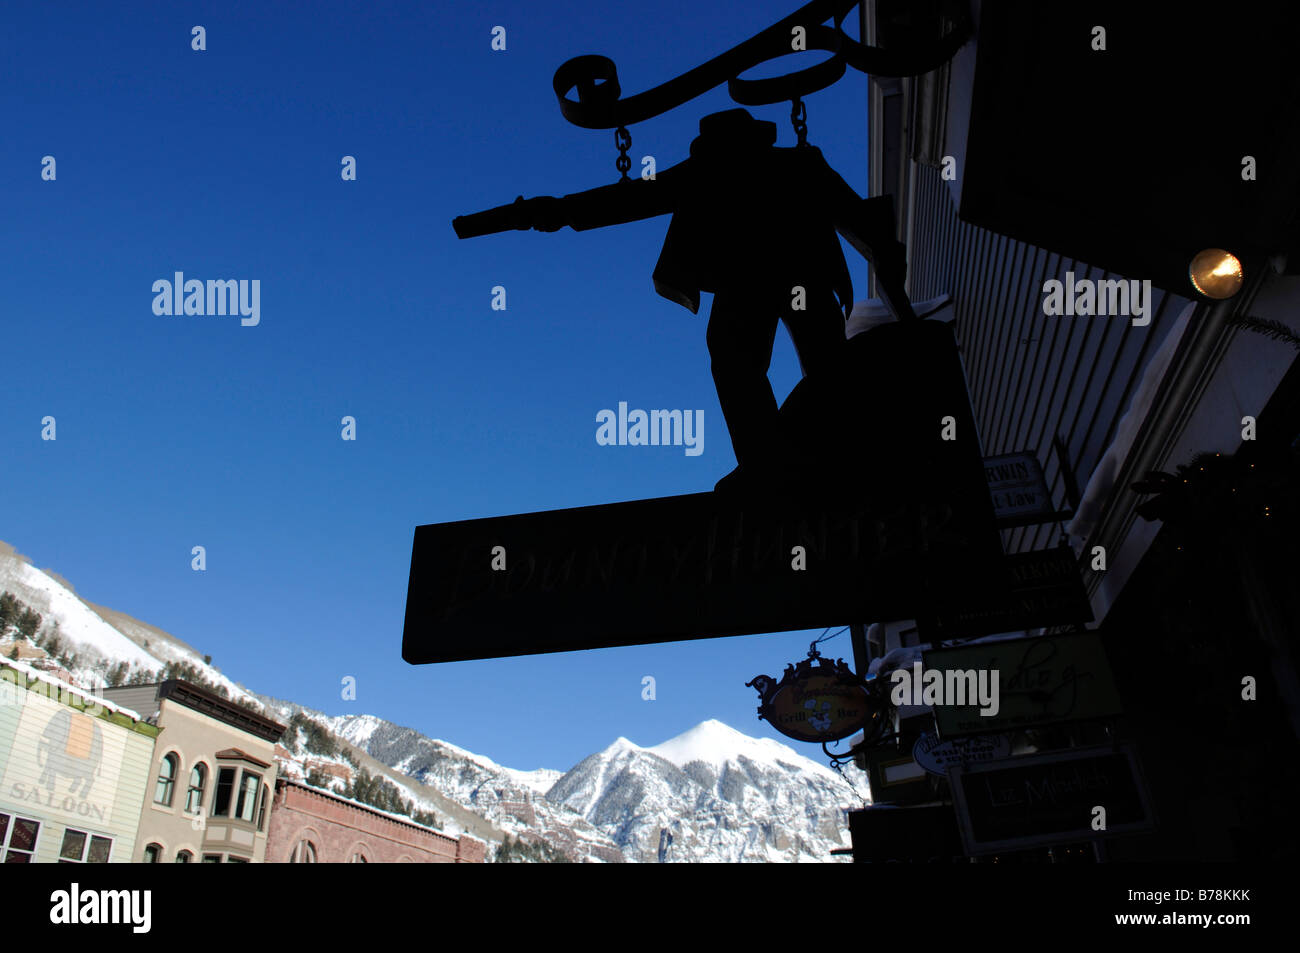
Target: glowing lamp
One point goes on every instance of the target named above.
(1216, 273)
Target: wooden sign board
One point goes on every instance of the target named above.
(1018, 489)
(1046, 588)
(687, 567)
(888, 516)
(1040, 800)
(1048, 680)
(921, 833)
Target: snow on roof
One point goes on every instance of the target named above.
(90, 697)
(1102, 482)
(872, 312)
(365, 807)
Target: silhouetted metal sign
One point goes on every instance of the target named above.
(810, 529)
(822, 702)
(850, 539)
(601, 104)
(1018, 489)
(1041, 681)
(1049, 799)
(1046, 589)
(660, 570)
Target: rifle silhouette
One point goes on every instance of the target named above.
(867, 224)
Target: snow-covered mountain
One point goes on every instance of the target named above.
(98, 635)
(512, 800)
(720, 795)
(55, 600)
(710, 794)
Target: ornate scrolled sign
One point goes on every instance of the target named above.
(599, 104)
(897, 542)
(817, 700)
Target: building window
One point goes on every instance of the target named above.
(194, 796)
(246, 806)
(358, 858)
(166, 780)
(261, 810)
(212, 858)
(225, 788)
(304, 853)
(153, 854)
(184, 857)
(18, 838)
(232, 859)
(80, 847)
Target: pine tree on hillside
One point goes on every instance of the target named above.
(514, 850)
(317, 779)
(140, 676)
(29, 622)
(14, 612)
(117, 675)
(426, 818)
(10, 610)
(317, 738)
(381, 793)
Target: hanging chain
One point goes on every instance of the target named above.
(812, 649)
(799, 119)
(623, 139)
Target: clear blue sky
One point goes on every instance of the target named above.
(183, 431)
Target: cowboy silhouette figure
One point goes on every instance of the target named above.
(756, 226)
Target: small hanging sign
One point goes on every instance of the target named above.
(816, 700)
(937, 756)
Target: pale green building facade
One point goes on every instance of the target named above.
(74, 772)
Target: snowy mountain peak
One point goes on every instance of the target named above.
(620, 745)
(721, 794)
(715, 743)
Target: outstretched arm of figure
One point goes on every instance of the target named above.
(625, 201)
(629, 200)
(868, 225)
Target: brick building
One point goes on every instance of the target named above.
(309, 825)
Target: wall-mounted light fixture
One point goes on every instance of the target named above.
(1216, 273)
